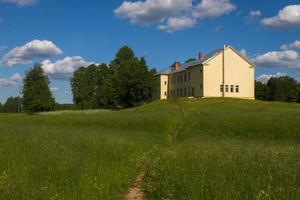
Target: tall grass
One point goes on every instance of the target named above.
(207, 149)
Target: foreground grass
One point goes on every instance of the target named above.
(208, 149)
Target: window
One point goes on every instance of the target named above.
(232, 88)
(189, 91)
(237, 88)
(221, 88)
(185, 77)
(178, 79)
(227, 88)
(193, 92)
(181, 78)
(189, 76)
(181, 92)
(177, 92)
(165, 82)
(165, 94)
(184, 92)
(201, 86)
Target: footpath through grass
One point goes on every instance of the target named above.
(207, 149)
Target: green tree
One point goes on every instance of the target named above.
(132, 81)
(37, 96)
(282, 89)
(153, 71)
(12, 105)
(84, 87)
(261, 91)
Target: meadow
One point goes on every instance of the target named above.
(188, 149)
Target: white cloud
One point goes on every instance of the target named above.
(285, 58)
(20, 3)
(63, 69)
(149, 11)
(266, 77)
(293, 46)
(178, 23)
(54, 89)
(289, 16)
(213, 8)
(28, 52)
(11, 81)
(172, 15)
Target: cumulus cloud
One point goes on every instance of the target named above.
(20, 3)
(32, 50)
(285, 58)
(11, 81)
(266, 77)
(172, 15)
(149, 11)
(178, 23)
(213, 8)
(293, 46)
(288, 56)
(288, 17)
(54, 89)
(63, 69)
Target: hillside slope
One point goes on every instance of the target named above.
(206, 149)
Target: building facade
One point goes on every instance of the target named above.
(222, 73)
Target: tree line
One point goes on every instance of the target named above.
(284, 89)
(125, 82)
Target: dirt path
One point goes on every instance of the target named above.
(135, 192)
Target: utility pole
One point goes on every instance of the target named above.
(223, 71)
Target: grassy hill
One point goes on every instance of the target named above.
(207, 149)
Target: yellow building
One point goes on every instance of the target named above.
(222, 73)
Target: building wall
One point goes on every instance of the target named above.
(238, 74)
(212, 77)
(186, 83)
(164, 83)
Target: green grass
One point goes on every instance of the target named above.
(206, 149)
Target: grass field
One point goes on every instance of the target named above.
(206, 149)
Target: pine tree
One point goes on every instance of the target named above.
(37, 96)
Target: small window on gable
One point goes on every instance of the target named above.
(237, 88)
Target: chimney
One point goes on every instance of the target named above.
(201, 56)
(176, 66)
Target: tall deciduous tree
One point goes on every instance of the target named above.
(37, 96)
(133, 82)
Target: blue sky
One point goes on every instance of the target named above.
(64, 35)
